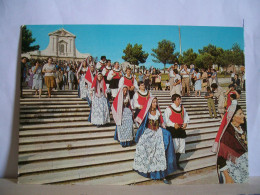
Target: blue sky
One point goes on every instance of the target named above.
(111, 40)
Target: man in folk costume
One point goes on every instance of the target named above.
(176, 119)
(130, 82)
(101, 64)
(105, 72)
(123, 117)
(89, 78)
(140, 98)
(99, 113)
(113, 77)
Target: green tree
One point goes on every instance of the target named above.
(204, 60)
(238, 55)
(164, 53)
(134, 54)
(27, 40)
(189, 57)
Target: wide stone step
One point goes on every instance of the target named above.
(133, 178)
(25, 107)
(45, 115)
(98, 160)
(206, 141)
(25, 96)
(52, 123)
(73, 141)
(59, 131)
(50, 99)
(59, 110)
(53, 120)
(51, 102)
(85, 172)
(30, 117)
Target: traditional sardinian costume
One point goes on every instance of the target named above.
(105, 73)
(114, 81)
(89, 78)
(172, 115)
(123, 117)
(99, 107)
(221, 127)
(140, 99)
(129, 81)
(83, 90)
(101, 65)
(154, 156)
(232, 149)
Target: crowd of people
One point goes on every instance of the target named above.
(160, 138)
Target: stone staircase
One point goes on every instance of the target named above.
(58, 145)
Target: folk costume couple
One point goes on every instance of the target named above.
(155, 156)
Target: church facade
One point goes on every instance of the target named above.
(61, 47)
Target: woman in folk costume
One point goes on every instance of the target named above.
(123, 117)
(154, 156)
(231, 147)
(81, 73)
(89, 78)
(140, 98)
(99, 106)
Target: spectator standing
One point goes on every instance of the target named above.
(147, 80)
(209, 77)
(141, 76)
(236, 83)
(167, 85)
(197, 82)
(171, 75)
(185, 73)
(219, 94)
(37, 78)
(211, 105)
(204, 78)
(214, 76)
(23, 65)
(49, 70)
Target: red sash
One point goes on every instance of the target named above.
(128, 82)
(117, 76)
(177, 116)
(142, 99)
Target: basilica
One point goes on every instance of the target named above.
(61, 47)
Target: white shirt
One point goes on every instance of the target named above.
(154, 117)
(176, 77)
(184, 74)
(168, 112)
(98, 66)
(167, 84)
(171, 73)
(104, 71)
(121, 83)
(135, 98)
(49, 67)
(111, 72)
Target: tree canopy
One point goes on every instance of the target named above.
(27, 40)
(135, 54)
(164, 53)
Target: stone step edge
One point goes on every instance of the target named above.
(94, 164)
